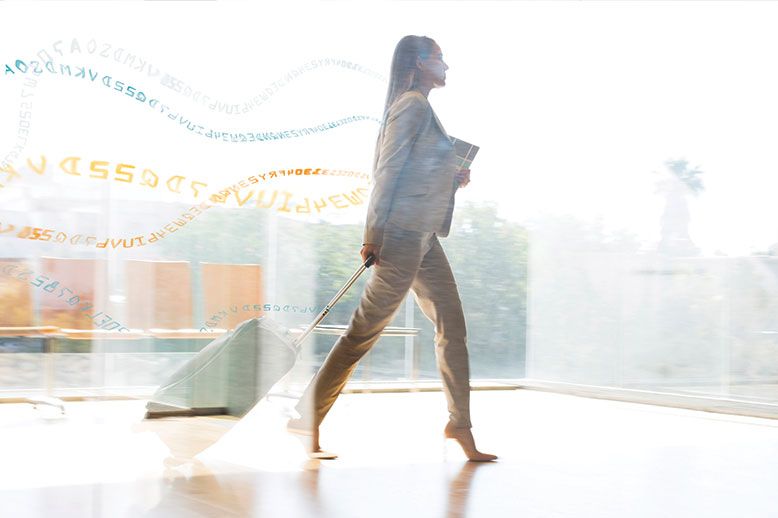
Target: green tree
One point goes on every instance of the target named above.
(487, 253)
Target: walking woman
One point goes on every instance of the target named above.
(415, 177)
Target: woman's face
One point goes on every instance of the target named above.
(433, 69)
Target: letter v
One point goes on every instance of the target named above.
(43, 165)
(242, 202)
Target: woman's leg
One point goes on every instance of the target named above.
(400, 256)
(437, 296)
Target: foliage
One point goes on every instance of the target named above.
(689, 177)
(488, 256)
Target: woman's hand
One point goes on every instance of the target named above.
(368, 250)
(463, 177)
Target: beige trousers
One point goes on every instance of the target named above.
(409, 260)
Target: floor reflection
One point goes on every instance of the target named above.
(103, 460)
(459, 489)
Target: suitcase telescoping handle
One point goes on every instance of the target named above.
(367, 264)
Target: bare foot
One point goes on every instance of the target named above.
(465, 439)
(309, 436)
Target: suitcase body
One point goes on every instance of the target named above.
(232, 373)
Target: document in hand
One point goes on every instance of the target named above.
(465, 152)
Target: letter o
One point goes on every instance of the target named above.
(20, 68)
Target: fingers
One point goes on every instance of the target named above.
(369, 250)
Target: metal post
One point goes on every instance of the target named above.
(411, 367)
(725, 342)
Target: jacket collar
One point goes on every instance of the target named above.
(440, 125)
(434, 117)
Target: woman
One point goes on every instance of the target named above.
(415, 177)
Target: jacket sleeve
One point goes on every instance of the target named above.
(403, 124)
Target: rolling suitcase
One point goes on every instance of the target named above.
(232, 373)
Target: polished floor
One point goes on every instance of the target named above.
(560, 456)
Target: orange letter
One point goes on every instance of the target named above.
(283, 208)
(94, 167)
(196, 191)
(43, 165)
(11, 172)
(319, 207)
(334, 202)
(178, 185)
(306, 209)
(268, 204)
(126, 173)
(146, 180)
(73, 171)
(242, 202)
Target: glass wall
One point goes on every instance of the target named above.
(161, 186)
(652, 258)
(154, 196)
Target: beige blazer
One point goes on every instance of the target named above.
(413, 172)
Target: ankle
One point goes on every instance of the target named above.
(451, 429)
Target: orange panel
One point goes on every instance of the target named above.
(15, 295)
(80, 276)
(233, 288)
(159, 294)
